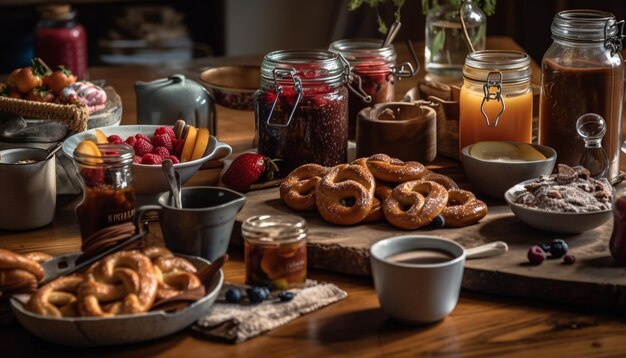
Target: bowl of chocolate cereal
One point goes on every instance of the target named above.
(567, 202)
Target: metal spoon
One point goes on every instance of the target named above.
(391, 34)
(53, 150)
(170, 174)
(488, 250)
(178, 190)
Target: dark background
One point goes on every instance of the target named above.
(527, 21)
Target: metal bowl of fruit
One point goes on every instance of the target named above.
(233, 86)
(196, 148)
(492, 167)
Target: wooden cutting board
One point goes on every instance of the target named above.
(593, 281)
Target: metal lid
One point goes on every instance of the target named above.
(356, 50)
(514, 66)
(309, 66)
(583, 25)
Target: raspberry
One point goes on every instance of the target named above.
(142, 147)
(165, 130)
(233, 295)
(178, 145)
(569, 259)
(137, 159)
(173, 158)
(151, 158)
(536, 255)
(161, 152)
(115, 139)
(162, 140)
(558, 248)
(93, 176)
(131, 141)
(142, 136)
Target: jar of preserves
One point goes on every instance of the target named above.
(108, 190)
(582, 72)
(496, 100)
(275, 251)
(374, 72)
(61, 41)
(301, 108)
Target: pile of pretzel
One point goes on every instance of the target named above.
(20, 273)
(406, 194)
(125, 282)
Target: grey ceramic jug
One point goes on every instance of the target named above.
(165, 100)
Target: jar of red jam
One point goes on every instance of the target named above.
(582, 72)
(301, 108)
(374, 72)
(61, 41)
(108, 189)
(275, 251)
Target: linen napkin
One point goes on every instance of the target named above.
(238, 322)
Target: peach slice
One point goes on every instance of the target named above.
(190, 142)
(89, 148)
(202, 141)
(101, 138)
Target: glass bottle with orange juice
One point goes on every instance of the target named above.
(496, 100)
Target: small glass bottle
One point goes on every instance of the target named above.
(61, 41)
(617, 244)
(301, 108)
(496, 100)
(275, 251)
(446, 45)
(592, 128)
(108, 189)
(582, 72)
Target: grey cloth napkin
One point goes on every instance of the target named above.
(239, 322)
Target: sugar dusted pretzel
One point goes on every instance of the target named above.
(345, 195)
(463, 209)
(393, 170)
(57, 298)
(415, 203)
(444, 180)
(381, 194)
(298, 189)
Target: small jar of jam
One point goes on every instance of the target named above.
(496, 100)
(582, 72)
(617, 244)
(109, 194)
(301, 108)
(374, 71)
(275, 251)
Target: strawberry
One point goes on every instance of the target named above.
(142, 147)
(165, 130)
(151, 158)
(162, 140)
(247, 169)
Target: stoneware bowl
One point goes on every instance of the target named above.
(557, 222)
(122, 329)
(233, 86)
(149, 179)
(494, 177)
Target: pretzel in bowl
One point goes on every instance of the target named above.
(174, 274)
(345, 195)
(121, 283)
(298, 189)
(57, 298)
(392, 170)
(463, 209)
(415, 203)
(20, 273)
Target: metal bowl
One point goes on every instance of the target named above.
(233, 86)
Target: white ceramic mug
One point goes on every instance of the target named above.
(27, 191)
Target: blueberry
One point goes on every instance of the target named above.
(438, 222)
(286, 296)
(233, 295)
(545, 246)
(255, 295)
(266, 292)
(569, 259)
(536, 255)
(558, 248)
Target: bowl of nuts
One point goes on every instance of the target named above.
(568, 202)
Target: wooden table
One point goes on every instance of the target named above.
(480, 325)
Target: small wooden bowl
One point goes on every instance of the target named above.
(233, 86)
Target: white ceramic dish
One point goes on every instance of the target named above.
(557, 222)
(149, 179)
(123, 329)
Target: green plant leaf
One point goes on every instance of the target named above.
(437, 43)
(479, 35)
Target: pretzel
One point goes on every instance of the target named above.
(298, 189)
(125, 277)
(393, 170)
(463, 208)
(10, 260)
(381, 193)
(57, 298)
(37, 256)
(174, 274)
(344, 196)
(444, 180)
(415, 203)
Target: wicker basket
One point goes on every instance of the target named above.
(74, 116)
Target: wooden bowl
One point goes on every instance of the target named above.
(233, 86)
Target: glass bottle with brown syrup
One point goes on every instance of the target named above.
(582, 72)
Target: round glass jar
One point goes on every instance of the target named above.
(275, 251)
(301, 108)
(496, 100)
(108, 189)
(373, 70)
(582, 72)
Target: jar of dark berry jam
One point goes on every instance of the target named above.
(374, 72)
(108, 190)
(617, 244)
(301, 108)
